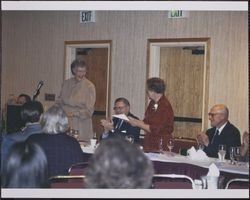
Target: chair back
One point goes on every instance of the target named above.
(238, 183)
(78, 168)
(181, 145)
(67, 181)
(172, 181)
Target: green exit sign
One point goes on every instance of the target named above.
(177, 14)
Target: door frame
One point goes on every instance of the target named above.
(153, 64)
(69, 50)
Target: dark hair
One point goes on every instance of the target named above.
(156, 84)
(31, 111)
(122, 99)
(118, 163)
(25, 167)
(27, 97)
(76, 63)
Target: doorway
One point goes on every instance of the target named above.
(184, 66)
(96, 55)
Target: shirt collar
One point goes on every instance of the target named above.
(221, 128)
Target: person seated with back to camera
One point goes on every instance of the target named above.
(222, 132)
(25, 167)
(120, 128)
(61, 150)
(117, 163)
(30, 114)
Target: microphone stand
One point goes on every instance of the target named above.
(36, 94)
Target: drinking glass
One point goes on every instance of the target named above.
(222, 152)
(237, 155)
(201, 146)
(161, 146)
(232, 155)
(76, 134)
(70, 131)
(130, 138)
(170, 144)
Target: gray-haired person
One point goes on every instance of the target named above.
(61, 149)
(118, 163)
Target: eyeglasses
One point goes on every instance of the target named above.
(119, 108)
(213, 114)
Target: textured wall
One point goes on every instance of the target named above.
(33, 50)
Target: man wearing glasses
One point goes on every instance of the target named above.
(118, 127)
(222, 132)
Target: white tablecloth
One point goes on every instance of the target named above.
(242, 168)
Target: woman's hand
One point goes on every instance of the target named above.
(134, 122)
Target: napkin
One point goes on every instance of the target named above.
(197, 155)
(213, 171)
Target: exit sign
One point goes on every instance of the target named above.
(87, 16)
(177, 14)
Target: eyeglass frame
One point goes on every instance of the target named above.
(119, 107)
(213, 114)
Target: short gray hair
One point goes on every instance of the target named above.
(117, 163)
(54, 120)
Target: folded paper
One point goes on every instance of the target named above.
(121, 116)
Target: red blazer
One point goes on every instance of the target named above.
(161, 124)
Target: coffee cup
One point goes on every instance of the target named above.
(93, 142)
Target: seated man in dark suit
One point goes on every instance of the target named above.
(119, 127)
(222, 132)
(30, 114)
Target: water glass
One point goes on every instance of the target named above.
(161, 146)
(201, 146)
(237, 155)
(93, 142)
(222, 152)
(232, 155)
(76, 134)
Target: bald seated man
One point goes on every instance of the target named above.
(222, 132)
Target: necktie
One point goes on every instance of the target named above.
(215, 135)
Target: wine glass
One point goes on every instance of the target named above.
(170, 144)
(222, 152)
(232, 155)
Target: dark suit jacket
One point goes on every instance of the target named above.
(10, 139)
(230, 136)
(61, 151)
(125, 129)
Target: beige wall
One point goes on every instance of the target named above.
(33, 50)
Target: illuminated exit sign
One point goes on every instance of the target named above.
(177, 14)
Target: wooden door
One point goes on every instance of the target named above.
(183, 72)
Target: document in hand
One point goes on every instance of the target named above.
(121, 116)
